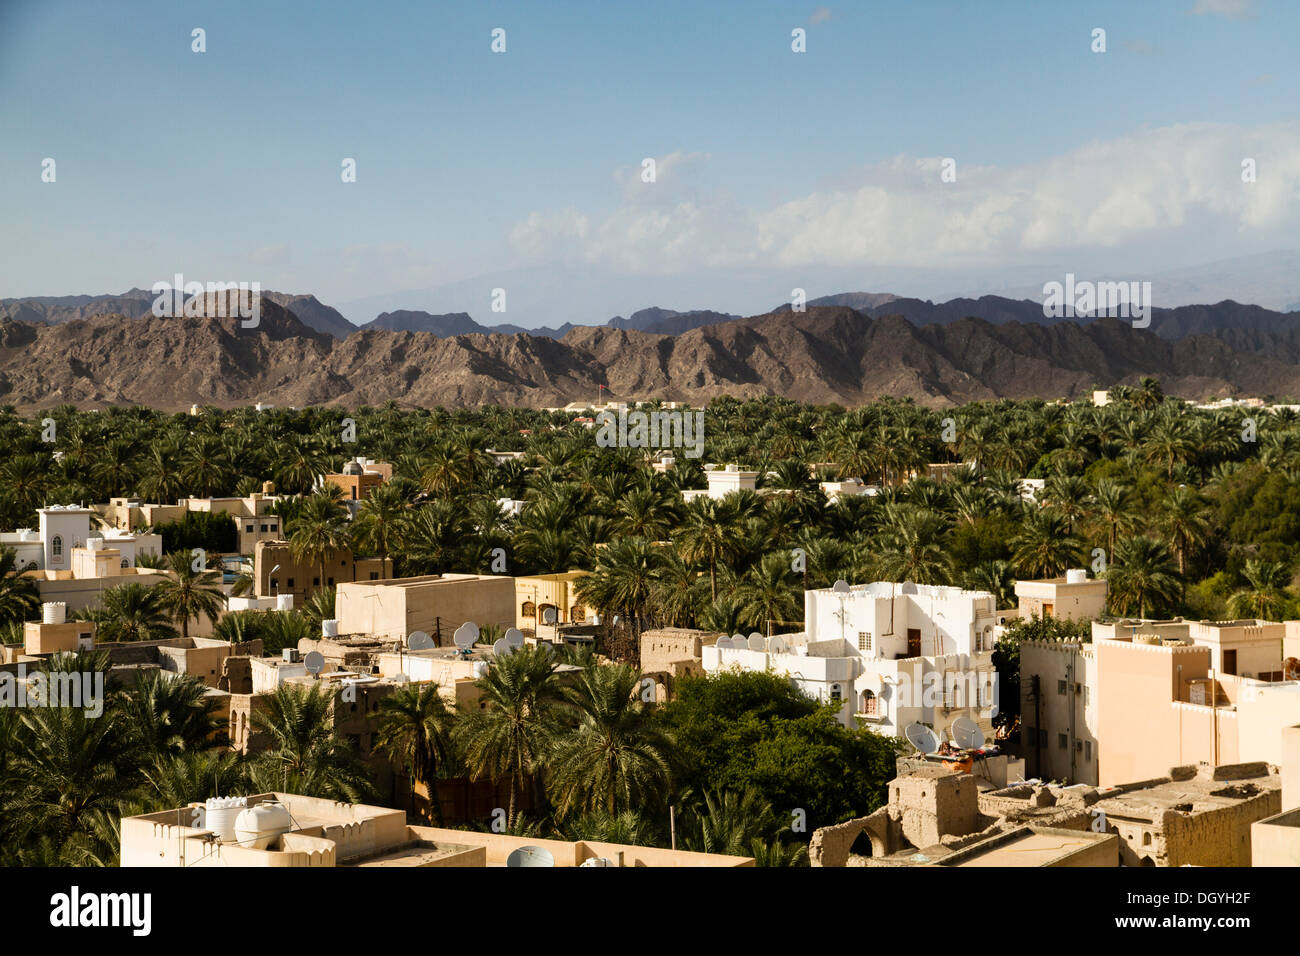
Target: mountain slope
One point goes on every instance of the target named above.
(823, 355)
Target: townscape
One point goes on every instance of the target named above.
(885, 636)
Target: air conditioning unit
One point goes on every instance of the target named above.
(290, 655)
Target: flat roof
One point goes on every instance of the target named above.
(1027, 847)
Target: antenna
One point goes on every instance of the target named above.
(925, 740)
(530, 856)
(966, 734)
(314, 662)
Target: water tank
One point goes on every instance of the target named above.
(27, 534)
(54, 612)
(221, 815)
(1076, 576)
(95, 543)
(284, 602)
(480, 669)
(329, 628)
(257, 827)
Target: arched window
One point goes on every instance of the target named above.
(529, 609)
(56, 546)
(126, 563)
(578, 613)
(870, 703)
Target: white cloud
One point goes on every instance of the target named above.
(1137, 189)
(1231, 9)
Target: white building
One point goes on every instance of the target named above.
(891, 653)
(722, 482)
(64, 527)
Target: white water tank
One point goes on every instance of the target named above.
(221, 814)
(1076, 576)
(329, 628)
(27, 534)
(257, 827)
(95, 544)
(284, 602)
(54, 612)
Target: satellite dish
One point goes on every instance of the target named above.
(514, 637)
(724, 642)
(966, 734)
(738, 641)
(464, 638)
(754, 634)
(776, 645)
(921, 737)
(314, 662)
(531, 856)
(907, 588)
(501, 648)
(840, 587)
(757, 642)
(548, 616)
(419, 641)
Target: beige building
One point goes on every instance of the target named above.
(1275, 840)
(55, 634)
(1073, 597)
(251, 515)
(1058, 711)
(359, 479)
(1206, 693)
(668, 653)
(436, 604)
(539, 593)
(289, 830)
(276, 571)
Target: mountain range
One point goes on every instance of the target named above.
(830, 353)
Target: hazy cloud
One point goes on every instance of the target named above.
(1231, 9)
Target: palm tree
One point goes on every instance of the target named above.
(191, 776)
(304, 755)
(511, 736)
(19, 595)
(187, 594)
(997, 578)
(170, 716)
(1265, 598)
(318, 532)
(1043, 547)
(1142, 576)
(708, 535)
(415, 732)
(623, 580)
(1111, 505)
(132, 612)
(381, 522)
(1186, 522)
(770, 592)
(616, 759)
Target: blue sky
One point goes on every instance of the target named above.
(478, 169)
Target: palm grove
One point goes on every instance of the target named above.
(1184, 511)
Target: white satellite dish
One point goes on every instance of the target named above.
(314, 662)
(724, 642)
(841, 587)
(531, 856)
(738, 641)
(464, 638)
(776, 645)
(419, 641)
(921, 737)
(501, 648)
(907, 588)
(514, 637)
(549, 617)
(966, 734)
(756, 642)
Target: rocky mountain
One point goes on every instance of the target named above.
(314, 314)
(668, 322)
(827, 354)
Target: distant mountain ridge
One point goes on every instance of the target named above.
(824, 355)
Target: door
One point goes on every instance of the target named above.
(1230, 662)
(913, 642)
(1048, 609)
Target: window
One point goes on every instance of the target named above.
(578, 613)
(330, 582)
(528, 609)
(836, 694)
(291, 582)
(315, 582)
(870, 704)
(1060, 687)
(1042, 737)
(986, 692)
(1087, 750)
(1087, 695)
(56, 546)
(275, 584)
(1062, 742)
(264, 527)
(249, 528)
(864, 640)
(374, 575)
(126, 563)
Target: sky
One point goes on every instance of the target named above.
(523, 170)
